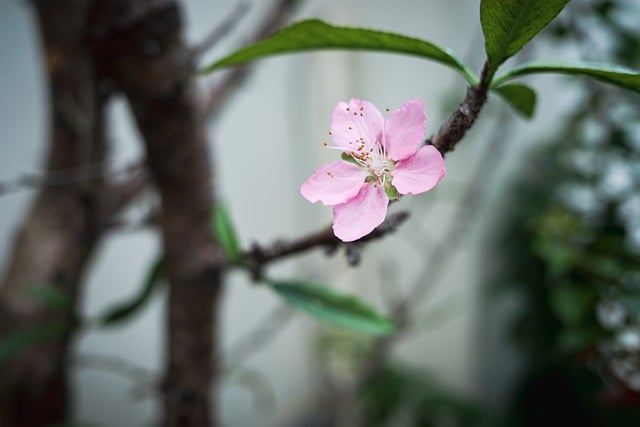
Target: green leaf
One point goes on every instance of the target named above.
(52, 297)
(348, 158)
(125, 310)
(572, 304)
(391, 191)
(520, 97)
(226, 234)
(607, 73)
(20, 340)
(315, 35)
(509, 24)
(333, 307)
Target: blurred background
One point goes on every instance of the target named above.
(521, 268)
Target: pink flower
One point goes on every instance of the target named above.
(382, 159)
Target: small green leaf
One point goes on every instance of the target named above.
(348, 158)
(20, 340)
(392, 192)
(520, 97)
(572, 304)
(333, 307)
(607, 73)
(226, 234)
(315, 35)
(509, 24)
(125, 310)
(52, 297)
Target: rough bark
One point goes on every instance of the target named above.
(139, 45)
(62, 226)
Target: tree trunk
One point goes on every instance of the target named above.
(61, 228)
(139, 44)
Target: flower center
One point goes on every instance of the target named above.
(376, 160)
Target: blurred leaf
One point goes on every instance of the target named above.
(125, 310)
(333, 307)
(315, 35)
(52, 297)
(572, 304)
(509, 24)
(263, 393)
(557, 235)
(578, 338)
(519, 96)
(631, 302)
(20, 340)
(226, 234)
(607, 73)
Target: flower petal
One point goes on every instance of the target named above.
(358, 124)
(405, 130)
(333, 183)
(420, 172)
(360, 215)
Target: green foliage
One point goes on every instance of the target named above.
(126, 310)
(315, 35)
(607, 73)
(520, 97)
(333, 307)
(226, 234)
(569, 249)
(51, 296)
(422, 401)
(22, 339)
(509, 24)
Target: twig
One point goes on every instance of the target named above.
(119, 195)
(463, 117)
(143, 378)
(233, 80)
(59, 178)
(259, 256)
(221, 30)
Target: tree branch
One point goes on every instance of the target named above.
(461, 120)
(260, 256)
(220, 93)
(221, 30)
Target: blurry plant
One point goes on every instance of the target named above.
(572, 247)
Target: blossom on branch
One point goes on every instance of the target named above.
(381, 159)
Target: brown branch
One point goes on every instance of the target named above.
(260, 256)
(220, 93)
(461, 120)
